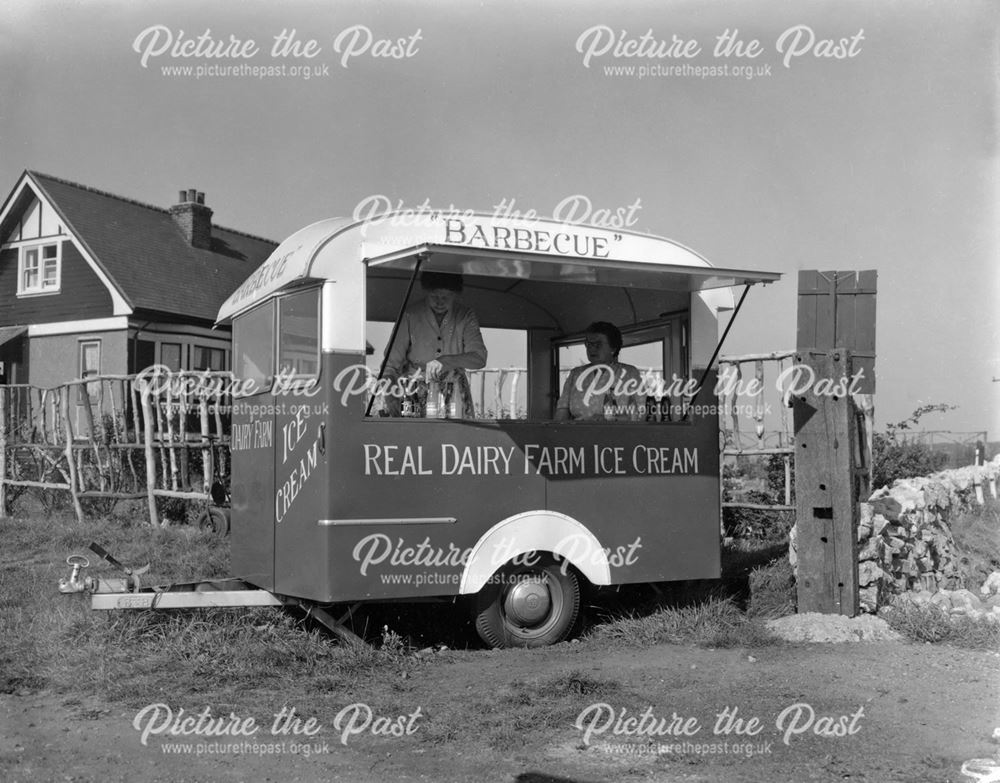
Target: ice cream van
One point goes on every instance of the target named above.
(335, 502)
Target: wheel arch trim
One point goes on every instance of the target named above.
(535, 531)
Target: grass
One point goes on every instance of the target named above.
(715, 622)
(772, 589)
(977, 540)
(236, 660)
(525, 707)
(56, 641)
(253, 661)
(930, 623)
(976, 531)
(176, 554)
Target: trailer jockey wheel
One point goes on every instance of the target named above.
(214, 520)
(528, 605)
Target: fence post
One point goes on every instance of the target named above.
(73, 478)
(147, 420)
(3, 451)
(864, 406)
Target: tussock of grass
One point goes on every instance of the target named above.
(930, 623)
(716, 622)
(772, 590)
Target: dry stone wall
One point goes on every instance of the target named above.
(905, 543)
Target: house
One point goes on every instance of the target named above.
(93, 283)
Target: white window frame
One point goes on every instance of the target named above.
(39, 288)
(83, 345)
(194, 352)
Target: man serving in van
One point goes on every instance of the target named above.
(440, 337)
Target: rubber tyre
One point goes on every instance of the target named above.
(214, 520)
(496, 618)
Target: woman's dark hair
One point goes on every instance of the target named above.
(610, 331)
(431, 281)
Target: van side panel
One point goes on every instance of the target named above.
(303, 429)
(652, 493)
(409, 498)
(384, 508)
(253, 442)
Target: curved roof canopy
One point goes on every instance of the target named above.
(486, 246)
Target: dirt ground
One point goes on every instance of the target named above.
(905, 712)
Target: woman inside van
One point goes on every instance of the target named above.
(438, 337)
(604, 389)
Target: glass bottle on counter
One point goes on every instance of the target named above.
(435, 403)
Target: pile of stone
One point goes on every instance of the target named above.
(815, 627)
(904, 541)
(961, 602)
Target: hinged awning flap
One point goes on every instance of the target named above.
(486, 245)
(570, 269)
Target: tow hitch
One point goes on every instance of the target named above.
(128, 593)
(93, 584)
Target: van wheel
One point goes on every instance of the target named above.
(528, 605)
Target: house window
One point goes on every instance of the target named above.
(90, 363)
(142, 354)
(170, 356)
(213, 359)
(40, 269)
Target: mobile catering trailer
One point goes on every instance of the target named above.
(333, 501)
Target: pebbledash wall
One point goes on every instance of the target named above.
(904, 536)
(50, 355)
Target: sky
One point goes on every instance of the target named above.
(861, 136)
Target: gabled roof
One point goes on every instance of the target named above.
(145, 254)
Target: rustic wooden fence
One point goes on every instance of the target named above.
(748, 384)
(114, 437)
(497, 392)
(167, 434)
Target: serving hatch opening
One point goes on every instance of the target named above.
(555, 298)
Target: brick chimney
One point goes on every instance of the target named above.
(193, 218)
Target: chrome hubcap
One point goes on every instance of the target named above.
(528, 602)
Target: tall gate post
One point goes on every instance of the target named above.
(825, 489)
(836, 351)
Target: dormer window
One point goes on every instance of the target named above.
(39, 269)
